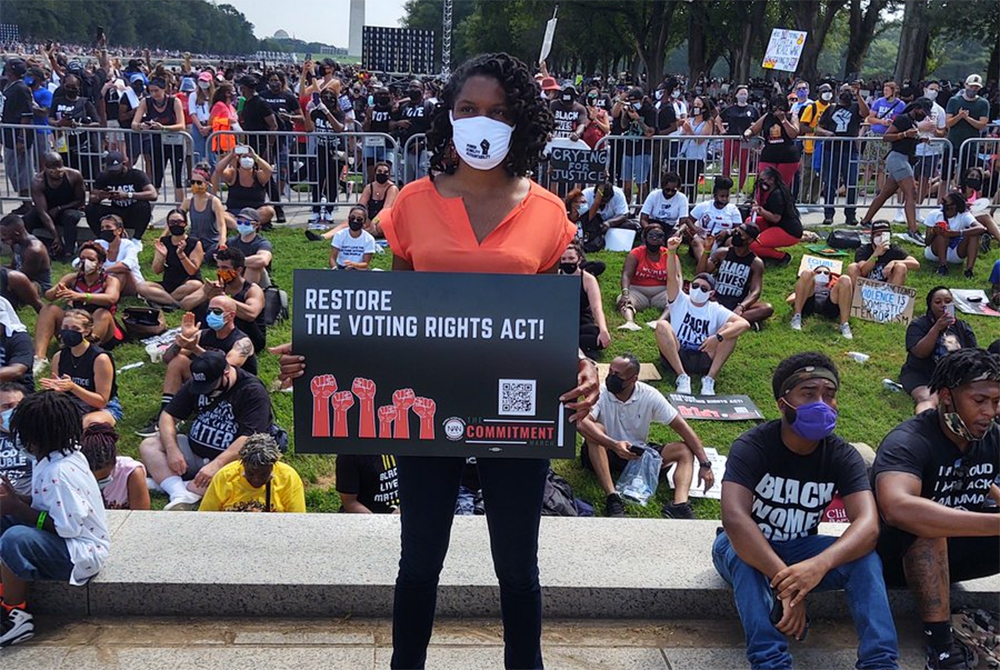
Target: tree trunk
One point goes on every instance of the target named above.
(697, 42)
(914, 39)
(862, 31)
(809, 19)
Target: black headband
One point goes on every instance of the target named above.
(805, 374)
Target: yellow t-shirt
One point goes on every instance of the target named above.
(230, 491)
(811, 114)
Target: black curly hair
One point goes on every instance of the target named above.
(531, 116)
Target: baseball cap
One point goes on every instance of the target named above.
(248, 80)
(881, 226)
(206, 371)
(974, 80)
(709, 279)
(187, 85)
(550, 84)
(250, 214)
(17, 66)
(136, 76)
(115, 159)
(205, 76)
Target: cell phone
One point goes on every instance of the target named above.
(972, 298)
(309, 56)
(636, 449)
(950, 309)
(242, 150)
(315, 97)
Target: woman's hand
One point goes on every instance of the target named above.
(582, 398)
(604, 339)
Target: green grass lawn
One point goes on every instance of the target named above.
(867, 411)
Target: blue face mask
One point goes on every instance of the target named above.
(29, 80)
(244, 229)
(215, 321)
(6, 415)
(812, 421)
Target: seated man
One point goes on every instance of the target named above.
(58, 195)
(127, 192)
(220, 335)
(16, 348)
(695, 334)
(231, 281)
(257, 250)
(739, 275)
(620, 420)
(122, 262)
(29, 254)
(665, 207)
(953, 235)
(779, 478)
(605, 205)
(932, 478)
(818, 291)
(367, 484)
(258, 482)
(16, 462)
(880, 259)
(225, 405)
(712, 221)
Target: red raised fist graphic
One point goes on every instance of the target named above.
(403, 400)
(425, 408)
(322, 387)
(386, 415)
(365, 390)
(342, 402)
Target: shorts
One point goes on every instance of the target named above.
(114, 408)
(636, 168)
(898, 166)
(826, 308)
(927, 166)
(968, 557)
(951, 256)
(644, 297)
(694, 361)
(911, 379)
(194, 462)
(33, 554)
(376, 154)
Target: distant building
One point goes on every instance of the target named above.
(281, 35)
(354, 44)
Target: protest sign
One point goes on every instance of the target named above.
(647, 372)
(716, 408)
(435, 364)
(883, 303)
(812, 262)
(581, 165)
(972, 301)
(698, 490)
(550, 31)
(784, 50)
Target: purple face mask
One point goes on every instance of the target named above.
(812, 421)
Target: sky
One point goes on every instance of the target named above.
(326, 21)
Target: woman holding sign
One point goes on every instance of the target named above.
(481, 213)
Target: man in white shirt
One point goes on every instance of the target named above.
(716, 217)
(612, 206)
(934, 126)
(666, 206)
(621, 419)
(695, 333)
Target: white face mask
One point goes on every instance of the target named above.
(881, 239)
(675, 95)
(246, 163)
(700, 296)
(930, 94)
(826, 96)
(89, 265)
(741, 98)
(481, 142)
(659, 95)
(583, 208)
(822, 279)
(971, 94)
(203, 85)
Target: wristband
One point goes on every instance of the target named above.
(89, 297)
(706, 464)
(41, 520)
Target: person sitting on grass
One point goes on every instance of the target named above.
(774, 212)
(712, 221)
(933, 475)
(605, 206)
(28, 254)
(953, 235)
(16, 462)
(122, 480)
(594, 335)
(665, 207)
(122, 260)
(880, 259)
(818, 291)
(258, 482)
(225, 405)
(739, 275)
(257, 249)
(929, 338)
(695, 334)
(16, 348)
(367, 484)
(84, 371)
(644, 278)
(206, 212)
(92, 290)
(61, 532)
(779, 478)
(620, 420)
(971, 187)
(352, 248)
(178, 257)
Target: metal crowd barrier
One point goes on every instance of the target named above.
(981, 152)
(415, 159)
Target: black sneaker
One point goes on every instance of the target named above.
(678, 511)
(827, 222)
(22, 209)
(942, 270)
(851, 222)
(958, 657)
(313, 237)
(279, 214)
(152, 430)
(17, 626)
(968, 273)
(614, 506)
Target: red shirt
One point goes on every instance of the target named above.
(648, 273)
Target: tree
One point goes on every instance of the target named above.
(814, 17)
(914, 41)
(863, 23)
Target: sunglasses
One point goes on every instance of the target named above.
(355, 219)
(822, 272)
(196, 182)
(669, 191)
(244, 222)
(217, 311)
(176, 222)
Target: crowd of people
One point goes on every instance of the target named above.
(924, 498)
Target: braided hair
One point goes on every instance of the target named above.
(47, 421)
(259, 451)
(964, 366)
(100, 445)
(530, 114)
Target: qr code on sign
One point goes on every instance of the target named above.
(517, 397)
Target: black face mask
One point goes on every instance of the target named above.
(72, 93)
(614, 383)
(70, 338)
(415, 96)
(974, 184)
(177, 231)
(654, 246)
(381, 178)
(568, 268)
(382, 101)
(355, 224)
(737, 239)
(108, 236)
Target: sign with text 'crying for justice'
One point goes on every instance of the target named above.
(434, 364)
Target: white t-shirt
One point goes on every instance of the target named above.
(202, 111)
(681, 112)
(352, 248)
(663, 210)
(616, 206)
(714, 220)
(128, 254)
(693, 325)
(938, 116)
(957, 223)
(630, 420)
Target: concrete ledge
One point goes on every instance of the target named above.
(331, 565)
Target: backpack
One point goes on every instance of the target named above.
(557, 499)
(843, 239)
(275, 305)
(142, 322)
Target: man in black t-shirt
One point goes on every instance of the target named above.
(225, 405)
(286, 112)
(18, 109)
(840, 157)
(257, 115)
(779, 479)
(367, 484)
(739, 274)
(413, 117)
(570, 116)
(932, 476)
(129, 195)
(880, 260)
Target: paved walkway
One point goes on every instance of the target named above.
(263, 644)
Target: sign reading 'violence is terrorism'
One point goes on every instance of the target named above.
(415, 363)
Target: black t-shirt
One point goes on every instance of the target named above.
(16, 463)
(282, 101)
(379, 117)
(778, 146)
(790, 221)
(129, 181)
(209, 339)
(666, 118)
(18, 348)
(893, 253)
(791, 491)
(372, 478)
(623, 124)
(81, 110)
(733, 278)
(255, 111)
(174, 274)
(568, 115)
(17, 101)
(958, 336)
(245, 410)
(738, 119)
(419, 116)
(842, 121)
(324, 132)
(83, 372)
(919, 446)
(907, 145)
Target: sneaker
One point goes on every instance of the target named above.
(851, 222)
(796, 323)
(707, 386)
(845, 330)
(985, 244)
(314, 217)
(827, 222)
(313, 237)
(279, 214)
(22, 209)
(325, 215)
(184, 503)
(152, 430)
(39, 366)
(614, 506)
(684, 384)
(678, 511)
(18, 626)
(778, 262)
(958, 657)
(942, 270)
(153, 486)
(968, 273)
(899, 216)
(915, 237)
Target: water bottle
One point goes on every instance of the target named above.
(890, 385)
(858, 357)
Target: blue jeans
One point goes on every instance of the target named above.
(428, 488)
(33, 554)
(840, 167)
(861, 580)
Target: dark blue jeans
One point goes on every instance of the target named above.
(862, 581)
(512, 491)
(33, 554)
(840, 168)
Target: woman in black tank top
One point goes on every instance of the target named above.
(85, 372)
(379, 194)
(247, 175)
(594, 335)
(161, 113)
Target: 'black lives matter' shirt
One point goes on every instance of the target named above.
(791, 491)
(129, 181)
(919, 446)
(372, 478)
